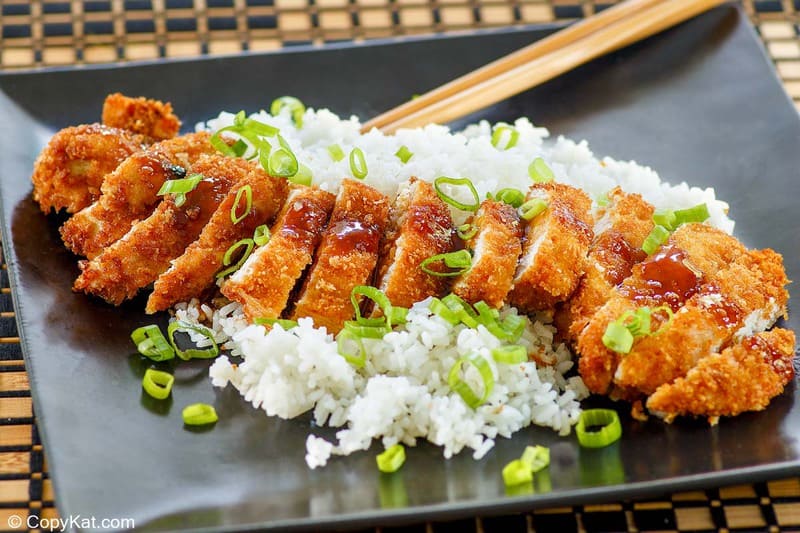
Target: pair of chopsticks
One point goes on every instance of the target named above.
(609, 30)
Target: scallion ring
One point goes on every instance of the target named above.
(376, 295)
(532, 208)
(180, 187)
(336, 152)
(657, 236)
(303, 175)
(284, 323)
(539, 172)
(199, 414)
(597, 428)
(618, 338)
(536, 457)
(513, 326)
(444, 180)
(296, 108)
(248, 245)
(511, 354)
(513, 197)
(460, 260)
(157, 383)
(356, 359)
(665, 218)
(504, 137)
(516, 472)
(440, 309)
(404, 154)
(367, 332)
(282, 163)
(192, 353)
(261, 235)
(466, 231)
(151, 343)
(247, 192)
(463, 310)
(698, 213)
(358, 163)
(391, 459)
(457, 384)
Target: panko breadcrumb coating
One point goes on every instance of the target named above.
(151, 118)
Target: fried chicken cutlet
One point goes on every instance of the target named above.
(193, 272)
(151, 118)
(129, 193)
(346, 257)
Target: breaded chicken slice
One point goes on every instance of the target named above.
(139, 257)
(420, 226)
(194, 271)
(621, 228)
(129, 192)
(151, 118)
(743, 377)
(555, 247)
(265, 281)
(496, 247)
(749, 294)
(69, 171)
(346, 257)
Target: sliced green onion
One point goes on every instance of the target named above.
(282, 163)
(366, 332)
(511, 355)
(514, 326)
(239, 118)
(391, 459)
(247, 192)
(239, 148)
(437, 183)
(303, 175)
(513, 197)
(670, 315)
(404, 154)
(398, 315)
(460, 260)
(504, 137)
(261, 235)
(248, 245)
(597, 428)
(336, 152)
(296, 108)
(151, 343)
(199, 414)
(536, 457)
(157, 384)
(180, 187)
(656, 238)
(665, 218)
(540, 172)
(618, 338)
(516, 473)
(466, 231)
(192, 353)
(457, 384)
(532, 208)
(356, 359)
(440, 309)
(465, 313)
(358, 163)
(377, 296)
(253, 126)
(284, 323)
(603, 200)
(698, 213)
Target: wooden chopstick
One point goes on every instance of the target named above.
(600, 34)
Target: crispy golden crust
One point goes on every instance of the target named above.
(619, 233)
(70, 170)
(151, 118)
(129, 192)
(496, 248)
(744, 377)
(346, 256)
(194, 271)
(555, 247)
(265, 282)
(420, 227)
(138, 258)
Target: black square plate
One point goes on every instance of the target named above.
(699, 103)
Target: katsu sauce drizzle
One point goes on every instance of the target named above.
(664, 278)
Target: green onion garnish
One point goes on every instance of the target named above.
(239, 148)
(282, 163)
(536, 457)
(336, 152)
(656, 238)
(466, 231)
(358, 163)
(513, 326)
(540, 172)
(513, 197)
(618, 338)
(199, 414)
(303, 175)
(457, 384)
(452, 201)
(465, 313)
(249, 129)
(698, 213)
(440, 309)
(296, 108)
(404, 154)
(391, 459)
(397, 315)
(180, 187)
(284, 323)
(511, 355)
(248, 245)
(460, 260)
(157, 384)
(603, 200)
(251, 125)
(192, 353)
(363, 331)
(532, 208)
(261, 235)
(665, 218)
(356, 359)
(377, 296)
(516, 473)
(151, 343)
(504, 137)
(597, 428)
(621, 333)
(247, 192)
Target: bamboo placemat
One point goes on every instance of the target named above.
(56, 33)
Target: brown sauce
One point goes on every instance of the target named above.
(725, 312)
(780, 363)
(429, 220)
(663, 278)
(304, 221)
(617, 256)
(344, 236)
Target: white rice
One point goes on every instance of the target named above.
(401, 394)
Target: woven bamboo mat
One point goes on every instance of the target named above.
(56, 33)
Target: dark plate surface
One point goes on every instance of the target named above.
(699, 103)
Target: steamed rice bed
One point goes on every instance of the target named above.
(401, 394)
